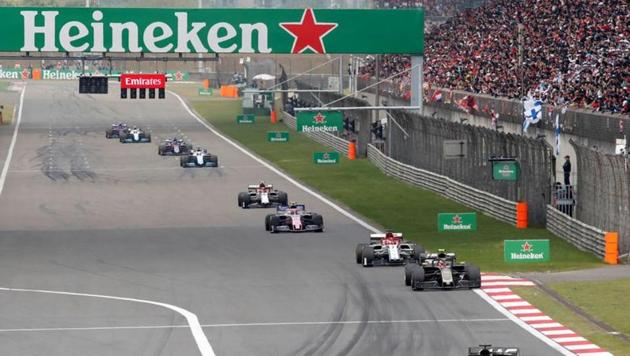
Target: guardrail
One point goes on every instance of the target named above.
(579, 234)
(339, 144)
(487, 203)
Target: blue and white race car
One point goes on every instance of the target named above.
(198, 158)
(135, 135)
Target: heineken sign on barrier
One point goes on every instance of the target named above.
(277, 136)
(245, 119)
(326, 157)
(319, 121)
(506, 170)
(457, 221)
(162, 30)
(526, 250)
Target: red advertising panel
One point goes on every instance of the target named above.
(140, 81)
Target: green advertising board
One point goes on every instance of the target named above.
(245, 119)
(457, 222)
(277, 136)
(326, 157)
(319, 121)
(506, 170)
(205, 92)
(526, 251)
(215, 30)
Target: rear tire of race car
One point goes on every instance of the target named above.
(244, 201)
(268, 222)
(319, 221)
(283, 198)
(418, 252)
(367, 256)
(358, 252)
(409, 269)
(108, 133)
(183, 161)
(148, 137)
(473, 275)
(417, 277)
(161, 150)
(273, 222)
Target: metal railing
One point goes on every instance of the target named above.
(579, 234)
(492, 205)
(339, 144)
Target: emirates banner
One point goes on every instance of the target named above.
(123, 30)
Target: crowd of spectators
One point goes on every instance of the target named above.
(575, 52)
(431, 7)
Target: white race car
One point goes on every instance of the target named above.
(199, 158)
(388, 249)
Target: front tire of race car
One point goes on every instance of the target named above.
(417, 278)
(108, 133)
(183, 161)
(273, 223)
(268, 222)
(148, 137)
(358, 252)
(244, 201)
(319, 221)
(161, 150)
(367, 256)
(409, 269)
(473, 275)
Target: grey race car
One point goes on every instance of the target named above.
(135, 135)
(388, 249)
(441, 271)
(199, 158)
(174, 147)
(293, 218)
(488, 350)
(262, 195)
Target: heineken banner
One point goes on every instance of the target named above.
(245, 119)
(526, 250)
(457, 221)
(69, 74)
(277, 136)
(163, 30)
(315, 121)
(326, 157)
(506, 170)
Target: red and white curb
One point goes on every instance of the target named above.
(497, 287)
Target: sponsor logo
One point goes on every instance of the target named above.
(457, 222)
(526, 250)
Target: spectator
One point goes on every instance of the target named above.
(566, 168)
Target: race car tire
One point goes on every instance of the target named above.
(367, 257)
(183, 160)
(148, 137)
(268, 222)
(473, 275)
(418, 252)
(417, 277)
(273, 222)
(244, 201)
(214, 160)
(283, 198)
(319, 221)
(358, 252)
(122, 139)
(161, 150)
(108, 133)
(409, 269)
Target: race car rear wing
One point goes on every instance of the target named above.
(377, 237)
(301, 207)
(488, 350)
(255, 187)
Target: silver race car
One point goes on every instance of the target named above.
(441, 271)
(135, 135)
(489, 350)
(388, 249)
(263, 196)
(293, 218)
(199, 158)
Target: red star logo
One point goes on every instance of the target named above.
(326, 156)
(319, 118)
(457, 219)
(526, 247)
(179, 75)
(308, 33)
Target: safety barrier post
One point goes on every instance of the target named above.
(274, 117)
(352, 150)
(611, 254)
(206, 83)
(521, 215)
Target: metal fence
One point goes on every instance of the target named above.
(579, 234)
(424, 148)
(497, 207)
(339, 144)
(604, 199)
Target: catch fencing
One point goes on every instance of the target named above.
(325, 138)
(579, 234)
(604, 196)
(424, 148)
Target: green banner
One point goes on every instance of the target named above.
(216, 30)
(277, 136)
(526, 250)
(316, 121)
(326, 157)
(506, 170)
(14, 74)
(204, 91)
(457, 222)
(245, 119)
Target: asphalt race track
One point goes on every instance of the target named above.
(83, 214)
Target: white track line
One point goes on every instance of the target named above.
(274, 169)
(7, 161)
(193, 322)
(299, 323)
